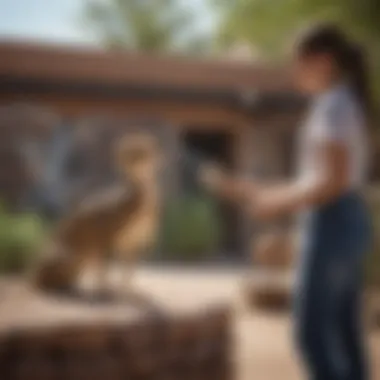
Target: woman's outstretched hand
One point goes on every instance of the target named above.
(262, 203)
(217, 181)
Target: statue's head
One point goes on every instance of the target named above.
(139, 156)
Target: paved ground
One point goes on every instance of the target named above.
(263, 344)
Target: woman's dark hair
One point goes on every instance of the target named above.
(348, 56)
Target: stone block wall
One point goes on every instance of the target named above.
(194, 346)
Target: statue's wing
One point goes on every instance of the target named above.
(105, 199)
(102, 204)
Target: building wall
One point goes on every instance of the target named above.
(256, 143)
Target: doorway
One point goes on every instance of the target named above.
(219, 146)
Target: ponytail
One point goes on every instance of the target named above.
(357, 71)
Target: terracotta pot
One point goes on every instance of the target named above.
(274, 250)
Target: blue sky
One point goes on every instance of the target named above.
(52, 20)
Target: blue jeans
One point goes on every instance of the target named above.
(328, 329)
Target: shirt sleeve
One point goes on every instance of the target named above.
(333, 121)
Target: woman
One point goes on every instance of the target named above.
(334, 224)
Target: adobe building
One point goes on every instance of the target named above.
(241, 114)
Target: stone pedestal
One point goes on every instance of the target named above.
(42, 338)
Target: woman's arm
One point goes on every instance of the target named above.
(226, 186)
(328, 183)
(271, 201)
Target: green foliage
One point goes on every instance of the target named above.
(191, 228)
(261, 23)
(146, 25)
(270, 25)
(20, 237)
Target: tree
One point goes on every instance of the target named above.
(146, 25)
(268, 23)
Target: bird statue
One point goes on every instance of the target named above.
(119, 223)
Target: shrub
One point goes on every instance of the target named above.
(191, 228)
(20, 237)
